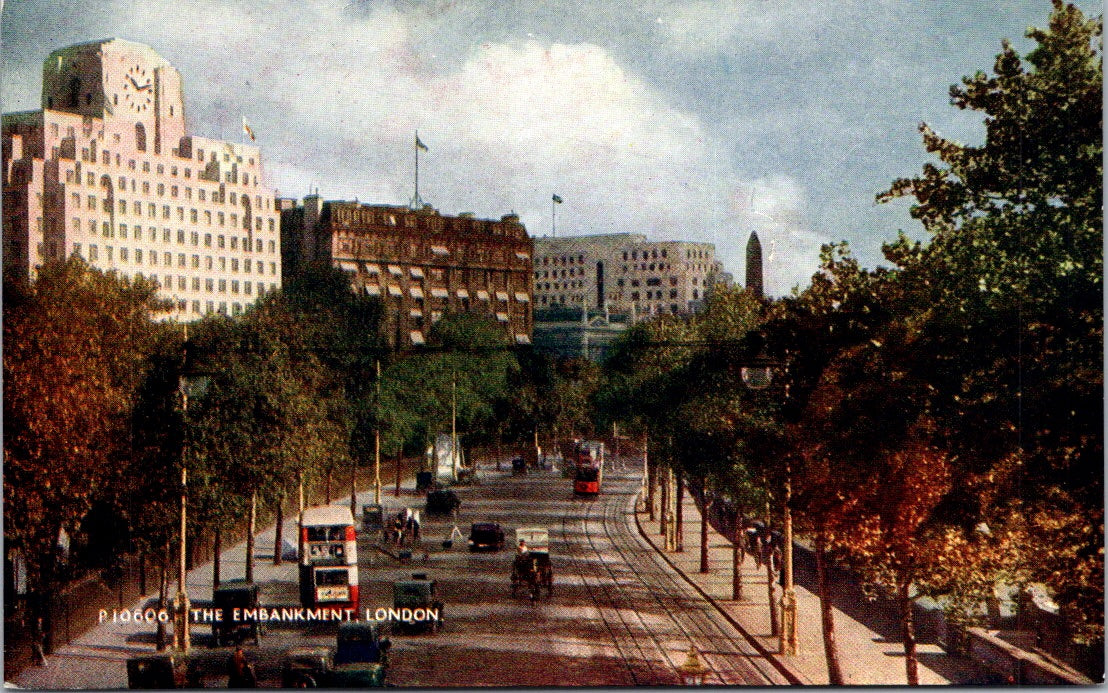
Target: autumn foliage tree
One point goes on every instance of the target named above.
(76, 342)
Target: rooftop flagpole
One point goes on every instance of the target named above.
(554, 200)
(417, 203)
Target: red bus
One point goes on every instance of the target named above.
(328, 558)
(588, 468)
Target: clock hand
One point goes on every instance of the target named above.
(144, 87)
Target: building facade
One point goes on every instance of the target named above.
(623, 273)
(421, 263)
(107, 170)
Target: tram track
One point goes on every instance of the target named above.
(640, 582)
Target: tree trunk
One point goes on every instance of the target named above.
(217, 553)
(163, 588)
(142, 572)
(737, 551)
(703, 529)
(651, 478)
(398, 475)
(827, 616)
(353, 489)
(911, 664)
(250, 537)
(679, 510)
(279, 532)
(327, 488)
(665, 502)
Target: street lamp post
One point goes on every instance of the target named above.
(187, 386)
(757, 377)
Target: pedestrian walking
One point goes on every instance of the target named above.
(416, 523)
(38, 647)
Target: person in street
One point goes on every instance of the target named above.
(240, 672)
(38, 648)
(521, 550)
(398, 528)
(415, 525)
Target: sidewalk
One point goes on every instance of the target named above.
(96, 659)
(870, 650)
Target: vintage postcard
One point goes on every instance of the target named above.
(456, 344)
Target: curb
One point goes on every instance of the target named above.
(793, 677)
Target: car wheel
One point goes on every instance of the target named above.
(305, 681)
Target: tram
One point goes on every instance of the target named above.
(588, 468)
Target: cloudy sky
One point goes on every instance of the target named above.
(679, 119)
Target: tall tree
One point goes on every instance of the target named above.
(1007, 299)
(75, 347)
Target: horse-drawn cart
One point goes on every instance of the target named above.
(531, 569)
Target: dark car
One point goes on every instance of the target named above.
(420, 596)
(162, 671)
(361, 641)
(236, 597)
(442, 501)
(486, 535)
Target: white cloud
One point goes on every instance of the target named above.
(336, 95)
(712, 26)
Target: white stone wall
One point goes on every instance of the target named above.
(195, 216)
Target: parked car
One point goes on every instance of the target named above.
(442, 501)
(486, 535)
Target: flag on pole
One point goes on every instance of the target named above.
(419, 143)
(557, 199)
(247, 129)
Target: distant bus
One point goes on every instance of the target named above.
(328, 558)
(588, 467)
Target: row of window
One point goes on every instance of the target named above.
(572, 272)
(141, 256)
(559, 286)
(565, 260)
(209, 307)
(221, 241)
(218, 195)
(646, 254)
(440, 294)
(89, 155)
(171, 282)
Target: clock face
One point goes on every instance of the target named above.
(138, 89)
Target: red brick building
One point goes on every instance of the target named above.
(422, 264)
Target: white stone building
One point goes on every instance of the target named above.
(623, 273)
(107, 170)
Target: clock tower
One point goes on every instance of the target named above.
(136, 92)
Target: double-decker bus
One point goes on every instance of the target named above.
(588, 467)
(328, 558)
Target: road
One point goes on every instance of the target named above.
(618, 616)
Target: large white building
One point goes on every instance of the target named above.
(107, 170)
(623, 273)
